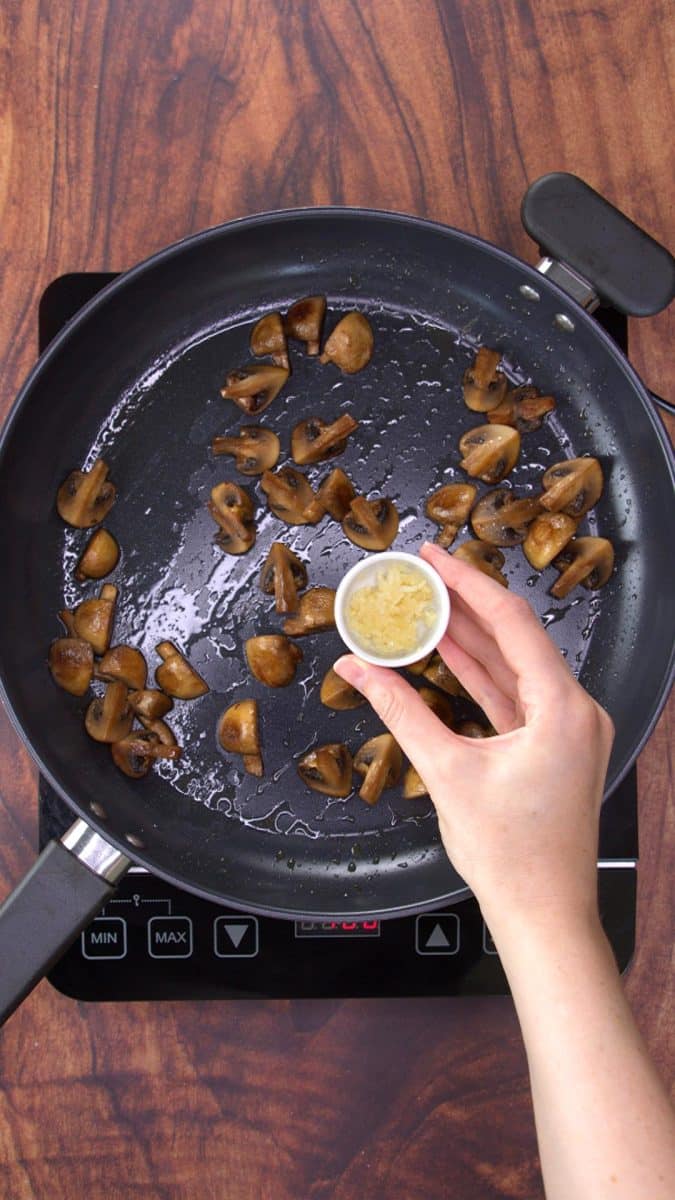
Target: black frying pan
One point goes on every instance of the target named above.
(135, 378)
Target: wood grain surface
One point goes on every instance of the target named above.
(125, 125)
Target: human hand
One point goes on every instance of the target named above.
(518, 813)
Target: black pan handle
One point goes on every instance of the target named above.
(574, 225)
(69, 883)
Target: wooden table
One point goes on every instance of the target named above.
(127, 124)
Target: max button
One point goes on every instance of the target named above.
(235, 937)
(106, 937)
(170, 937)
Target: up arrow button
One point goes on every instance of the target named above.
(437, 933)
(437, 939)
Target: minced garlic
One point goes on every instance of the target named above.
(392, 615)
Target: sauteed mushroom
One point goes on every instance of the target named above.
(413, 784)
(449, 507)
(254, 387)
(442, 677)
(379, 760)
(93, 619)
(99, 557)
(110, 717)
(485, 558)
(284, 574)
(126, 664)
(150, 704)
(232, 509)
(268, 337)
(273, 659)
(484, 385)
(524, 408)
(371, 524)
(315, 613)
(290, 497)
(327, 769)
(175, 675)
(85, 497)
(473, 729)
(71, 662)
(350, 345)
(489, 452)
(304, 321)
(338, 694)
(418, 667)
(254, 449)
(238, 734)
(587, 560)
(546, 537)
(313, 440)
(502, 519)
(573, 486)
(160, 729)
(136, 753)
(336, 494)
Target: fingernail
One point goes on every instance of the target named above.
(350, 668)
(431, 546)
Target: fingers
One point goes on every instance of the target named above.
(500, 710)
(467, 633)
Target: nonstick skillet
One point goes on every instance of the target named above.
(135, 378)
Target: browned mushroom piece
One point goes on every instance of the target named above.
(160, 729)
(413, 784)
(290, 497)
(136, 753)
(93, 619)
(232, 510)
(449, 507)
(371, 524)
(85, 497)
(175, 676)
(268, 337)
(587, 560)
(546, 537)
(71, 662)
(473, 729)
(350, 345)
(524, 408)
(110, 717)
(254, 449)
(124, 663)
(150, 704)
(316, 613)
(314, 441)
(304, 322)
(573, 486)
(99, 557)
(273, 659)
(238, 733)
(502, 519)
(338, 694)
(484, 384)
(489, 452)
(485, 558)
(254, 387)
(283, 574)
(442, 677)
(419, 666)
(439, 703)
(336, 493)
(380, 762)
(327, 769)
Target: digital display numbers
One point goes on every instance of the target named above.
(337, 929)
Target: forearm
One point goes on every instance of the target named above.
(604, 1124)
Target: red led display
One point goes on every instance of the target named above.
(353, 929)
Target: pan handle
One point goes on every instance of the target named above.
(66, 887)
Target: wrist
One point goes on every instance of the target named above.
(543, 929)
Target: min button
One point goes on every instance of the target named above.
(170, 937)
(106, 937)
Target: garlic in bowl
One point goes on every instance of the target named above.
(392, 609)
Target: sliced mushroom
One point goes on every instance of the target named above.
(290, 497)
(93, 619)
(254, 449)
(126, 664)
(327, 769)
(175, 675)
(418, 667)
(336, 494)
(449, 507)
(489, 452)
(85, 497)
(100, 556)
(524, 409)
(150, 704)
(268, 337)
(254, 387)
(573, 486)
(338, 694)
(371, 524)
(350, 345)
(136, 753)
(442, 677)
(304, 321)
(314, 441)
(232, 509)
(413, 785)
(485, 558)
(238, 734)
(587, 560)
(502, 519)
(438, 703)
(273, 659)
(284, 574)
(380, 761)
(71, 662)
(315, 613)
(110, 717)
(546, 537)
(484, 384)
(473, 729)
(161, 730)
